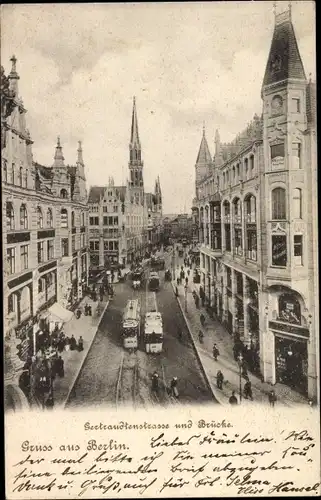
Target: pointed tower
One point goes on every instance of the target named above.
(61, 179)
(14, 77)
(203, 164)
(136, 182)
(80, 191)
(158, 196)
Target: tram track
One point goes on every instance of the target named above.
(127, 385)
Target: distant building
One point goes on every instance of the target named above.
(122, 219)
(256, 217)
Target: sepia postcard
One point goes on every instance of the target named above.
(160, 250)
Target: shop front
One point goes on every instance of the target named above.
(291, 362)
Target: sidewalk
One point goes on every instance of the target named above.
(214, 332)
(86, 327)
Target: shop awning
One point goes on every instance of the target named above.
(60, 313)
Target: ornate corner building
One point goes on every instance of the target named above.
(44, 227)
(255, 216)
(124, 221)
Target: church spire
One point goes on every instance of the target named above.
(134, 145)
(59, 158)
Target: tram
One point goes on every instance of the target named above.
(153, 326)
(137, 277)
(153, 282)
(131, 325)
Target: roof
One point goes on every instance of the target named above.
(45, 172)
(284, 61)
(252, 133)
(204, 155)
(96, 193)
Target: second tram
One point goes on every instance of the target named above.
(131, 325)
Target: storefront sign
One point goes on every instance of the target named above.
(47, 233)
(25, 326)
(18, 237)
(279, 254)
(20, 280)
(290, 329)
(277, 163)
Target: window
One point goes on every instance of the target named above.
(72, 219)
(49, 218)
(297, 203)
(40, 251)
(105, 209)
(115, 208)
(298, 249)
(64, 247)
(11, 303)
(277, 150)
(246, 168)
(10, 216)
(289, 309)
(40, 285)
(105, 221)
(250, 209)
(24, 257)
(237, 211)
(110, 221)
(50, 249)
(279, 251)
(238, 241)
(116, 245)
(251, 240)
(26, 179)
(20, 176)
(64, 217)
(64, 194)
(94, 221)
(73, 243)
(82, 218)
(115, 221)
(94, 245)
(228, 237)
(11, 259)
(296, 155)
(295, 105)
(5, 171)
(39, 218)
(251, 165)
(13, 174)
(82, 240)
(278, 204)
(106, 247)
(23, 217)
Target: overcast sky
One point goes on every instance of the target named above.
(189, 63)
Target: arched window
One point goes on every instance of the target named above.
(250, 209)
(72, 219)
(251, 165)
(83, 218)
(23, 217)
(10, 216)
(237, 211)
(297, 203)
(289, 309)
(26, 178)
(64, 194)
(246, 168)
(233, 174)
(39, 218)
(49, 218)
(13, 174)
(64, 217)
(20, 176)
(278, 204)
(5, 171)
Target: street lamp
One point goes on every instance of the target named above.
(185, 287)
(240, 359)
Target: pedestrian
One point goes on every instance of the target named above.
(89, 310)
(176, 291)
(78, 313)
(60, 367)
(178, 280)
(49, 403)
(202, 319)
(201, 336)
(233, 399)
(188, 272)
(272, 398)
(173, 386)
(197, 302)
(216, 352)
(244, 371)
(73, 343)
(67, 343)
(80, 344)
(186, 281)
(248, 390)
(219, 379)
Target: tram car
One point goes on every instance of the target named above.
(131, 325)
(137, 278)
(153, 326)
(153, 282)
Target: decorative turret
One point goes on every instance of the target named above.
(13, 76)
(203, 164)
(79, 154)
(58, 158)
